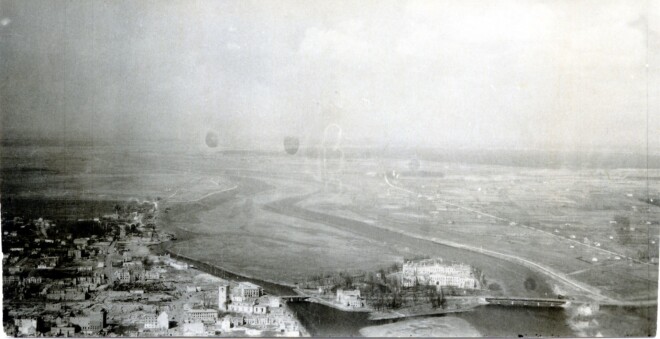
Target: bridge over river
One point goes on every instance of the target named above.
(533, 302)
(293, 298)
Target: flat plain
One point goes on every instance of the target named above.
(588, 233)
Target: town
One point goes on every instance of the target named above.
(100, 277)
(108, 281)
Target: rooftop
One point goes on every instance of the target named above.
(247, 285)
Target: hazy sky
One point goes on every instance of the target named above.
(526, 74)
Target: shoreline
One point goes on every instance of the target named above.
(220, 272)
(394, 315)
(427, 327)
(213, 270)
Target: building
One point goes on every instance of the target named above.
(69, 295)
(438, 273)
(271, 301)
(259, 309)
(249, 290)
(132, 265)
(151, 274)
(241, 307)
(349, 298)
(452, 281)
(178, 265)
(77, 254)
(15, 269)
(202, 315)
(157, 322)
(52, 306)
(26, 326)
(290, 328)
(237, 321)
(223, 297)
(84, 268)
(91, 323)
(80, 242)
(64, 331)
(11, 279)
(97, 278)
(32, 280)
(123, 276)
(47, 263)
(192, 289)
(194, 329)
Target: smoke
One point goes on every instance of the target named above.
(582, 319)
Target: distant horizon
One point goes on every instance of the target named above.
(517, 157)
(482, 74)
(277, 144)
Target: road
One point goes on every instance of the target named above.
(593, 292)
(521, 225)
(202, 197)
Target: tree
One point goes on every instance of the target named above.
(383, 274)
(622, 228)
(348, 281)
(394, 267)
(440, 299)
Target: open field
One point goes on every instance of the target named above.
(278, 218)
(583, 242)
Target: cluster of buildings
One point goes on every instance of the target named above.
(249, 307)
(112, 269)
(242, 307)
(66, 325)
(72, 276)
(436, 272)
(50, 272)
(156, 321)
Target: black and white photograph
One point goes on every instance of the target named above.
(330, 168)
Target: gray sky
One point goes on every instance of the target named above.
(525, 74)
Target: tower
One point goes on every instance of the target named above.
(223, 294)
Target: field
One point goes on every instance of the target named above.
(583, 232)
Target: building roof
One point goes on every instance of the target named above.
(349, 292)
(248, 285)
(202, 311)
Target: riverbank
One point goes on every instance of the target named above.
(489, 320)
(272, 287)
(337, 306)
(426, 310)
(428, 327)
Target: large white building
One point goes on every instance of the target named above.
(349, 298)
(202, 315)
(245, 298)
(438, 273)
(241, 307)
(160, 322)
(249, 290)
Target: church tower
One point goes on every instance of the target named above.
(223, 295)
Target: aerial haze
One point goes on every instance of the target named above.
(475, 74)
(330, 168)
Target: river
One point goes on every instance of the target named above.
(489, 320)
(498, 321)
